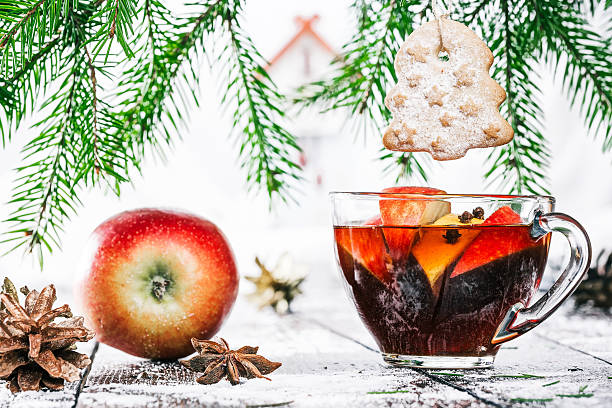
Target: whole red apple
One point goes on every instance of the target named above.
(155, 279)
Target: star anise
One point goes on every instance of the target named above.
(35, 351)
(278, 287)
(216, 360)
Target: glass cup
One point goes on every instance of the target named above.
(437, 291)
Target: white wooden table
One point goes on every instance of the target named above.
(329, 359)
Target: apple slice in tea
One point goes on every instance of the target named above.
(405, 212)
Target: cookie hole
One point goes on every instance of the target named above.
(443, 56)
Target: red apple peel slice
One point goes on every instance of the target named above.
(408, 213)
(495, 242)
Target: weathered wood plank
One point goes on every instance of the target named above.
(534, 354)
(588, 332)
(329, 359)
(319, 369)
(552, 362)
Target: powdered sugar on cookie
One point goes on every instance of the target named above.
(445, 107)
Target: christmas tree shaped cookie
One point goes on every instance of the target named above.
(445, 106)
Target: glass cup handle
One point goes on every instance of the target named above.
(520, 319)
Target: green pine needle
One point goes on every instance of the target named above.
(583, 56)
(365, 72)
(517, 376)
(531, 399)
(25, 27)
(390, 392)
(574, 395)
(520, 164)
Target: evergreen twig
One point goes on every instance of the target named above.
(120, 16)
(365, 72)
(24, 29)
(584, 57)
(267, 149)
(152, 89)
(520, 163)
(68, 149)
(20, 91)
(89, 136)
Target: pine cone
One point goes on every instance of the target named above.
(34, 351)
(596, 288)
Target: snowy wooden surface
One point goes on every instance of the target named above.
(330, 360)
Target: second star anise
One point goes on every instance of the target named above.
(216, 360)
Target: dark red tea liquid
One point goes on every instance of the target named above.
(426, 299)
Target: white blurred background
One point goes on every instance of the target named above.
(202, 175)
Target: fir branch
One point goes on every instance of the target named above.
(519, 164)
(24, 85)
(365, 71)
(42, 191)
(267, 149)
(31, 9)
(584, 57)
(69, 152)
(27, 26)
(84, 141)
(405, 166)
(474, 15)
(162, 70)
(118, 24)
(30, 65)
(379, 60)
(94, 104)
(37, 70)
(35, 59)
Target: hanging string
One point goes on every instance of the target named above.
(440, 12)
